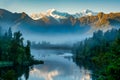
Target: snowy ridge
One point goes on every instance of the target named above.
(61, 15)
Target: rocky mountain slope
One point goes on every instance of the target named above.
(59, 22)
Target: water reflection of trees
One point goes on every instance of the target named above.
(14, 73)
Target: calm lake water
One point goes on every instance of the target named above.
(58, 65)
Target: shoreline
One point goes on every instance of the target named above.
(26, 63)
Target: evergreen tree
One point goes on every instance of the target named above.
(9, 33)
(103, 50)
(12, 48)
(27, 49)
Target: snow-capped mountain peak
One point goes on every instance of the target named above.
(50, 13)
(51, 10)
(56, 14)
(62, 15)
(89, 12)
(85, 12)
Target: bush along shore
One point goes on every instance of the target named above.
(13, 52)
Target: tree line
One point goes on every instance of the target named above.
(103, 50)
(12, 48)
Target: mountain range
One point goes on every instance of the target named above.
(61, 15)
(53, 21)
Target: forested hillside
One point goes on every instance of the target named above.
(103, 50)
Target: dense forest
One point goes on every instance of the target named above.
(15, 56)
(12, 48)
(103, 51)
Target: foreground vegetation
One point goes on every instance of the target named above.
(14, 55)
(12, 48)
(103, 51)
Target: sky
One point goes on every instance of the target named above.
(71, 6)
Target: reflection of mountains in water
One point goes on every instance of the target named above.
(57, 66)
(60, 69)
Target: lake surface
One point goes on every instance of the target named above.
(58, 65)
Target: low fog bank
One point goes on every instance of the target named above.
(57, 39)
(52, 37)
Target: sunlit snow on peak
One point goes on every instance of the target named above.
(62, 15)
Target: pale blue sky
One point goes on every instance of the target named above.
(72, 6)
